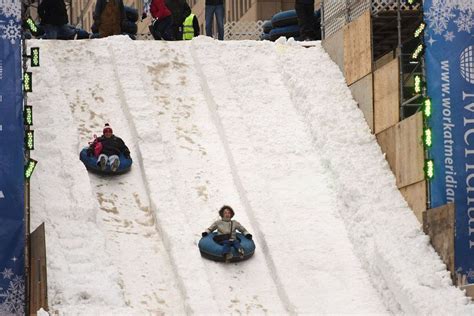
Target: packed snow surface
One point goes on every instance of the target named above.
(268, 128)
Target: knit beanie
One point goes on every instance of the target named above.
(107, 128)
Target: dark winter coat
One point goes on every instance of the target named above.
(196, 27)
(53, 12)
(227, 227)
(109, 17)
(111, 146)
(304, 1)
(159, 10)
(214, 2)
(179, 10)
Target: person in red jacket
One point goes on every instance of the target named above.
(162, 27)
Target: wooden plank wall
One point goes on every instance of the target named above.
(375, 87)
(38, 273)
(410, 151)
(387, 141)
(403, 149)
(438, 223)
(362, 92)
(386, 96)
(416, 197)
(334, 46)
(358, 48)
(403, 146)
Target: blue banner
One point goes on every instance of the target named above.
(12, 230)
(449, 40)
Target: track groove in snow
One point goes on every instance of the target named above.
(159, 225)
(186, 122)
(238, 183)
(126, 216)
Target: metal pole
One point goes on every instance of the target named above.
(26, 199)
(427, 154)
(400, 59)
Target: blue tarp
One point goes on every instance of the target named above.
(12, 278)
(450, 77)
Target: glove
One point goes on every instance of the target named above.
(248, 236)
(204, 234)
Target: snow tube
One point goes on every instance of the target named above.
(91, 164)
(212, 250)
(265, 37)
(284, 18)
(267, 26)
(286, 31)
(131, 14)
(82, 34)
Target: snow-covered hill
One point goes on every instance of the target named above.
(268, 128)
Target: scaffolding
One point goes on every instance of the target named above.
(393, 24)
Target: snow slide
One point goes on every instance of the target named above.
(249, 124)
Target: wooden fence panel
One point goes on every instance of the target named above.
(362, 94)
(410, 152)
(334, 46)
(415, 195)
(358, 48)
(438, 223)
(386, 96)
(38, 273)
(387, 142)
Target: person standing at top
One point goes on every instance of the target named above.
(109, 16)
(179, 10)
(162, 27)
(306, 20)
(191, 27)
(215, 7)
(54, 19)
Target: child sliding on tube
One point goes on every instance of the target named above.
(226, 232)
(108, 148)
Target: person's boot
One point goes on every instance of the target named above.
(115, 165)
(102, 163)
(228, 257)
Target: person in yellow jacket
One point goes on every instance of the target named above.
(191, 27)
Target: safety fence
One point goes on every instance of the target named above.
(233, 31)
(243, 30)
(337, 13)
